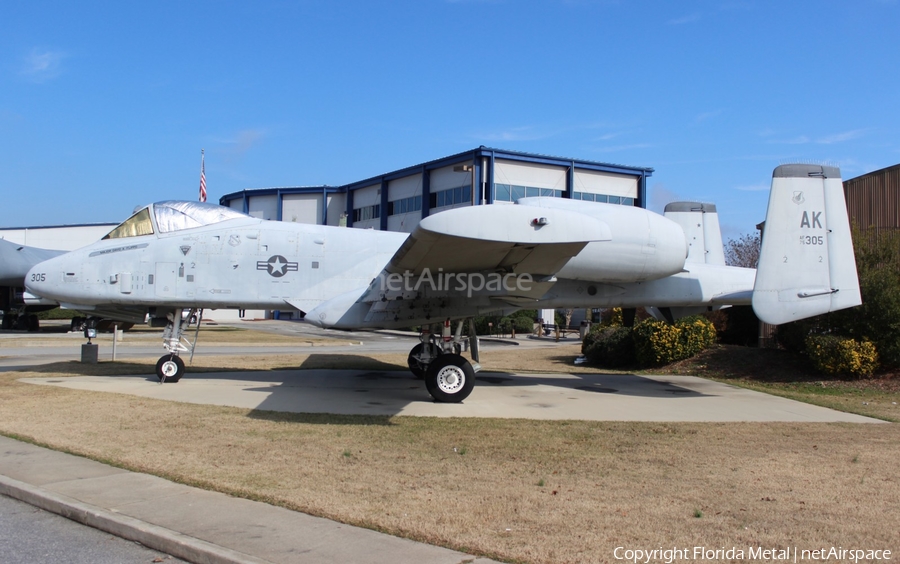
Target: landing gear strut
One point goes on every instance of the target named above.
(170, 366)
(448, 376)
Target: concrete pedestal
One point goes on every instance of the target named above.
(89, 353)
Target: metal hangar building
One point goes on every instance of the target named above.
(397, 201)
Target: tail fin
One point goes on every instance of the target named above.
(806, 263)
(701, 227)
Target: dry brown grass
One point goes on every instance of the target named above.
(529, 491)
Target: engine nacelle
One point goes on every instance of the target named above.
(644, 245)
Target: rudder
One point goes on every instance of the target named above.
(806, 264)
(700, 223)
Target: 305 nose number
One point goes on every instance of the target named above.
(38, 277)
(812, 240)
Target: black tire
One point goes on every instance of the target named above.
(450, 378)
(169, 369)
(34, 324)
(415, 366)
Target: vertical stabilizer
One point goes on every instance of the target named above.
(806, 264)
(700, 223)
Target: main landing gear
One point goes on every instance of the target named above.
(170, 366)
(448, 376)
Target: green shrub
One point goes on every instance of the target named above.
(58, 313)
(610, 346)
(522, 321)
(611, 317)
(878, 318)
(657, 343)
(839, 355)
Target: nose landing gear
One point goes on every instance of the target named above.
(170, 366)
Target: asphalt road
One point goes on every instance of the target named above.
(34, 536)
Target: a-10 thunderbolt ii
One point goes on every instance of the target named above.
(171, 258)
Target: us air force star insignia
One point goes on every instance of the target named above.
(276, 266)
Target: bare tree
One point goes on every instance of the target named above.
(743, 251)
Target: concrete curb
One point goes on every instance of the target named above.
(152, 536)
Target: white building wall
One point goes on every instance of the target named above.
(337, 205)
(263, 207)
(368, 196)
(606, 183)
(404, 187)
(302, 208)
(527, 174)
(445, 177)
(61, 238)
(399, 189)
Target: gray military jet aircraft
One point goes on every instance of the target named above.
(171, 258)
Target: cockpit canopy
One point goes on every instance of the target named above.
(172, 215)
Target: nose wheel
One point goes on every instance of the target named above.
(169, 368)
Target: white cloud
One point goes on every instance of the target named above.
(659, 196)
(237, 145)
(41, 65)
(708, 115)
(839, 137)
(825, 139)
(800, 140)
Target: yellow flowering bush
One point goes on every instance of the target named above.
(657, 343)
(840, 355)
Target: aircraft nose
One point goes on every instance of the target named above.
(37, 280)
(36, 287)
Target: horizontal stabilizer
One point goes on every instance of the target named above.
(806, 264)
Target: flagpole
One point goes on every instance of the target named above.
(202, 177)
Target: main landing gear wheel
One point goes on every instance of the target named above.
(170, 368)
(450, 378)
(415, 365)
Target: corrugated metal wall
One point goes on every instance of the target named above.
(873, 200)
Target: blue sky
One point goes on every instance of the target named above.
(106, 105)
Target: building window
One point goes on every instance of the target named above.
(462, 194)
(603, 198)
(405, 205)
(511, 193)
(367, 212)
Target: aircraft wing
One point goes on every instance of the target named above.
(497, 238)
(487, 255)
(16, 260)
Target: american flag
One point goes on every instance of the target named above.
(202, 179)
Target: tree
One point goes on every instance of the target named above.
(878, 318)
(740, 324)
(743, 251)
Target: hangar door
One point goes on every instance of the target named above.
(302, 208)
